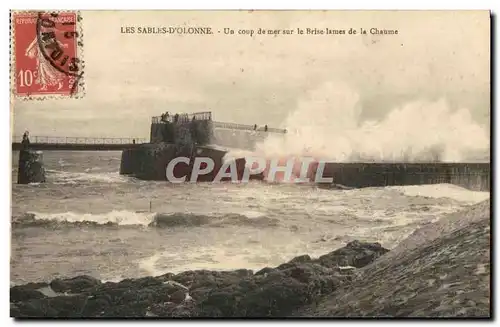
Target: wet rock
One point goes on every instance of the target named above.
(301, 258)
(60, 306)
(165, 309)
(141, 282)
(264, 271)
(282, 290)
(178, 296)
(35, 308)
(199, 293)
(356, 254)
(14, 310)
(276, 292)
(74, 285)
(201, 278)
(170, 309)
(97, 305)
(128, 292)
(136, 309)
(275, 298)
(26, 292)
(165, 277)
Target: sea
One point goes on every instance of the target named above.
(88, 219)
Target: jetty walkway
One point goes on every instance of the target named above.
(79, 143)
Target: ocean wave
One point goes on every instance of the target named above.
(415, 131)
(64, 177)
(449, 191)
(124, 218)
(113, 218)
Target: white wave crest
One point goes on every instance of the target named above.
(120, 217)
(63, 177)
(450, 191)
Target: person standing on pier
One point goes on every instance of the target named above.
(26, 141)
(165, 117)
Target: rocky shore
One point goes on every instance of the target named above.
(442, 269)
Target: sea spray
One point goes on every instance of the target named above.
(327, 123)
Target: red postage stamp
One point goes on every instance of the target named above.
(46, 54)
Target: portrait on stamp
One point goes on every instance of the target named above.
(45, 53)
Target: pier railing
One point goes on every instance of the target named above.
(248, 127)
(205, 115)
(216, 124)
(80, 140)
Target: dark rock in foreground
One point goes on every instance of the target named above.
(202, 293)
(441, 270)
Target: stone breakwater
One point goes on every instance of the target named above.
(441, 270)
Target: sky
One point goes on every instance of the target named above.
(263, 79)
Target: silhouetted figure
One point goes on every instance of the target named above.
(255, 127)
(133, 141)
(176, 118)
(164, 117)
(265, 128)
(26, 141)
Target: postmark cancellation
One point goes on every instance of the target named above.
(46, 51)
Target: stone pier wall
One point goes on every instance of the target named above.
(473, 176)
(149, 162)
(199, 130)
(205, 133)
(31, 168)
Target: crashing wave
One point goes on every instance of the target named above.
(139, 219)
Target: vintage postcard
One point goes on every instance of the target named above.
(250, 164)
